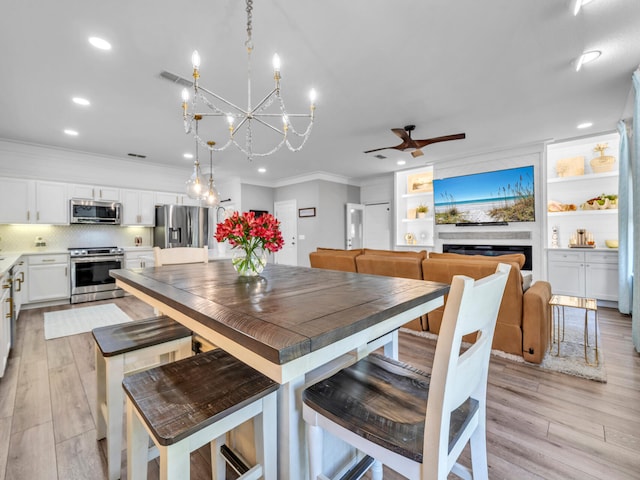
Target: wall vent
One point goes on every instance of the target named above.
(172, 77)
(136, 155)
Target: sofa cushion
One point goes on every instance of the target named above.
(518, 258)
(422, 254)
(334, 259)
(390, 266)
(508, 334)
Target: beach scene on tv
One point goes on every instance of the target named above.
(498, 196)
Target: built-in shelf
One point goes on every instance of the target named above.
(608, 211)
(416, 195)
(583, 178)
(418, 220)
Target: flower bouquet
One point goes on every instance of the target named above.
(251, 239)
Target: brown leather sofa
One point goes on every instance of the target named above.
(523, 319)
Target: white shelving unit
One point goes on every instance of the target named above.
(583, 271)
(603, 224)
(410, 230)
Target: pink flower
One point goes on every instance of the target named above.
(248, 232)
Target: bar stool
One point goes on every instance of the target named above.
(124, 349)
(189, 403)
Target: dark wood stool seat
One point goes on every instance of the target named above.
(124, 349)
(194, 401)
(126, 337)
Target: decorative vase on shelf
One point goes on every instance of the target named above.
(249, 263)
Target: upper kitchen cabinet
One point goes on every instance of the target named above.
(30, 201)
(169, 198)
(414, 208)
(93, 192)
(138, 208)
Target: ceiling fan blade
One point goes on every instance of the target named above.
(377, 149)
(445, 138)
(402, 133)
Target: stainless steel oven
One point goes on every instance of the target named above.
(90, 278)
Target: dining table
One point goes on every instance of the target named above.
(293, 324)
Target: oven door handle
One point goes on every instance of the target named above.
(115, 258)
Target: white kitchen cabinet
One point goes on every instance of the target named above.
(96, 192)
(30, 201)
(171, 198)
(48, 277)
(5, 321)
(138, 208)
(582, 273)
(414, 188)
(141, 257)
(19, 285)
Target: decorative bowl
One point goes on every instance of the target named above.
(611, 243)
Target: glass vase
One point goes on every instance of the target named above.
(249, 263)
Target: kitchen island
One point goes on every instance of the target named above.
(293, 324)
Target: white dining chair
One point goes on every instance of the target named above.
(180, 255)
(415, 423)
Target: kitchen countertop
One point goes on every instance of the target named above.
(8, 260)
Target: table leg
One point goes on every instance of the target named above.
(291, 438)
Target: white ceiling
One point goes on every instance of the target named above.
(499, 70)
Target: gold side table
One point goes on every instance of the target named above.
(558, 304)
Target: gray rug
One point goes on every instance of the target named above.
(72, 321)
(571, 360)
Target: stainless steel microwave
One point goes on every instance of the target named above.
(91, 211)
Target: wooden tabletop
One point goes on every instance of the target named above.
(285, 313)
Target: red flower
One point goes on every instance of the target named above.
(248, 232)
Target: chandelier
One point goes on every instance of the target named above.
(239, 118)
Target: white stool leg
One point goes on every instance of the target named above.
(101, 396)
(376, 470)
(175, 461)
(137, 445)
(266, 437)
(218, 464)
(314, 442)
(478, 443)
(114, 396)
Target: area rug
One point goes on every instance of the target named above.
(62, 323)
(571, 360)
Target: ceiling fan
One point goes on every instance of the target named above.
(409, 143)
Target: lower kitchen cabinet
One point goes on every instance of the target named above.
(591, 274)
(141, 257)
(5, 321)
(19, 285)
(48, 277)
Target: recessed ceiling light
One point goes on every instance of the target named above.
(81, 101)
(401, 162)
(262, 170)
(70, 132)
(587, 57)
(100, 43)
(188, 155)
(585, 125)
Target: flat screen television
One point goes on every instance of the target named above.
(488, 198)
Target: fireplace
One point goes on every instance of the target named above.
(491, 251)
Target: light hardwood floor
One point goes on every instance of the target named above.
(541, 425)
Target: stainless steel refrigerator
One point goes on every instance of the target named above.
(182, 226)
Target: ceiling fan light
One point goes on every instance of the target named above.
(417, 153)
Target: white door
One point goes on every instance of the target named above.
(355, 226)
(377, 226)
(286, 212)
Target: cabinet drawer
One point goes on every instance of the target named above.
(48, 259)
(602, 257)
(565, 256)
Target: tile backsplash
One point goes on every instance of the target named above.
(22, 238)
